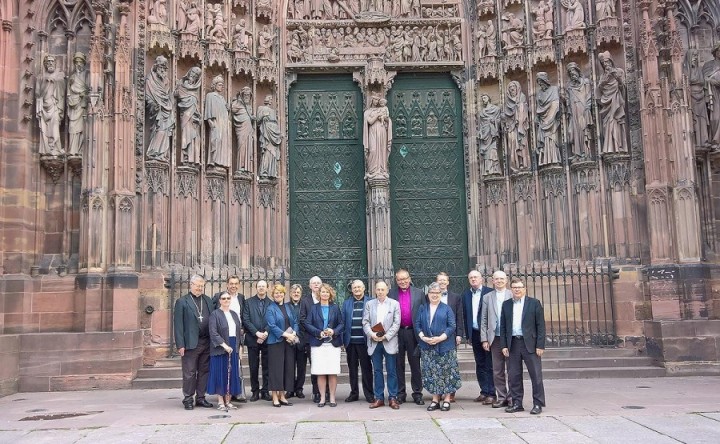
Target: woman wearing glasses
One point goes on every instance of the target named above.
(224, 334)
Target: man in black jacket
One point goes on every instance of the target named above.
(253, 320)
(192, 338)
(522, 338)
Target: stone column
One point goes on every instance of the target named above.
(266, 220)
(588, 200)
(555, 206)
(528, 227)
(185, 221)
(378, 228)
(213, 226)
(497, 246)
(241, 220)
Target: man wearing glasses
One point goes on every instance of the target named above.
(522, 338)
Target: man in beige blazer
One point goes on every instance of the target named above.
(489, 329)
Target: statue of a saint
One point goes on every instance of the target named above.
(270, 138)
(191, 22)
(698, 102)
(158, 12)
(188, 103)
(216, 116)
(240, 37)
(513, 30)
(50, 107)
(711, 71)
(547, 101)
(243, 119)
(578, 97)
(605, 9)
(265, 42)
(515, 123)
(574, 15)
(611, 104)
(489, 117)
(77, 95)
(377, 137)
(158, 101)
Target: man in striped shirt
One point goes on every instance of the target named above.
(355, 343)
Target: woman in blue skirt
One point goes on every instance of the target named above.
(225, 337)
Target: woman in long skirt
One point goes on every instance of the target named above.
(282, 336)
(225, 338)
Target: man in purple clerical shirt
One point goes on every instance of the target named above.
(410, 299)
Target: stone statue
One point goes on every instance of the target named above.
(50, 107)
(265, 42)
(243, 119)
(515, 123)
(611, 104)
(377, 137)
(698, 102)
(240, 37)
(270, 138)
(190, 22)
(578, 99)
(77, 96)
(216, 25)
(547, 107)
(188, 103)
(488, 135)
(487, 40)
(543, 26)
(604, 9)
(574, 15)
(711, 71)
(216, 116)
(512, 33)
(158, 12)
(160, 113)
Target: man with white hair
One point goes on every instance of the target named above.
(489, 332)
(473, 299)
(306, 305)
(355, 343)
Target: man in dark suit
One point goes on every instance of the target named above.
(253, 320)
(473, 299)
(192, 338)
(306, 304)
(355, 343)
(237, 301)
(410, 299)
(454, 301)
(522, 338)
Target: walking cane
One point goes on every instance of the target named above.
(227, 387)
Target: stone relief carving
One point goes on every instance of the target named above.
(158, 102)
(158, 12)
(266, 42)
(608, 25)
(488, 134)
(216, 116)
(188, 103)
(578, 105)
(711, 71)
(77, 97)
(487, 40)
(377, 137)
(611, 104)
(241, 108)
(515, 125)
(50, 107)
(485, 7)
(605, 9)
(574, 15)
(190, 26)
(513, 32)
(698, 102)
(215, 24)
(543, 26)
(270, 139)
(547, 108)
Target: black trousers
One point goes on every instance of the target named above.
(483, 365)
(195, 369)
(301, 359)
(357, 354)
(256, 356)
(281, 364)
(407, 345)
(519, 354)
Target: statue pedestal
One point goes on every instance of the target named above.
(54, 165)
(608, 29)
(575, 42)
(515, 59)
(243, 63)
(218, 55)
(267, 71)
(487, 67)
(190, 46)
(544, 51)
(159, 36)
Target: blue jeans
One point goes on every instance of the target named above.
(390, 368)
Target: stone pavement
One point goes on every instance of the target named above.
(651, 410)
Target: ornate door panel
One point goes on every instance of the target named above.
(427, 176)
(326, 177)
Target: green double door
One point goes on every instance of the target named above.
(326, 178)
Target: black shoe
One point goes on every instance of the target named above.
(514, 408)
(266, 397)
(204, 403)
(316, 398)
(401, 399)
(255, 396)
(418, 400)
(188, 404)
(536, 410)
(289, 394)
(241, 400)
(352, 398)
(285, 402)
(300, 394)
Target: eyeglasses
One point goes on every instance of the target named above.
(224, 299)
(517, 288)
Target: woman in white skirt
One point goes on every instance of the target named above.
(324, 325)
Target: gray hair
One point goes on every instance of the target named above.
(434, 287)
(196, 277)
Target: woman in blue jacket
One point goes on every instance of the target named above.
(435, 326)
(282, 336)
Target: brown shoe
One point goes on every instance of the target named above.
(499, 404)
(480, 398)
(452, 397)
(490, 400)
(394, 404)
(377, 403)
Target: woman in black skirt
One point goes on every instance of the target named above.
(225, 337)
(282, 336)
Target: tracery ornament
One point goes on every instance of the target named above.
(187, 178)
(158, 28)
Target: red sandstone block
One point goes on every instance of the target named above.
(666, 310)
(93, 300)
(34, 383)
(103, 367)
(707, 328)
(629, 328)
(53, 284)
(161, 325)
(56, 322)
(9, 343)
(9, 365)
(17, 302)
(97, 382)
(46, 368)
(125, 300)
(93, 321)
(126, 320)
(21, 323)
(53, 303)
(625, 311)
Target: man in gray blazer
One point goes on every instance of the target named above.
(383, 346)
(489, 330)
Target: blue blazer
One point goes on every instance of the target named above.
(443, 322)
(314, 325)
(276, 321)
(467, 309)
(347, 313)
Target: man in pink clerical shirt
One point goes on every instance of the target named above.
(410, 299)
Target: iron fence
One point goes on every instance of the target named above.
(577, 298)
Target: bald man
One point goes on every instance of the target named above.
(253, 320)
(473, 299)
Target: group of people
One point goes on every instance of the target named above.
(398, 325)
